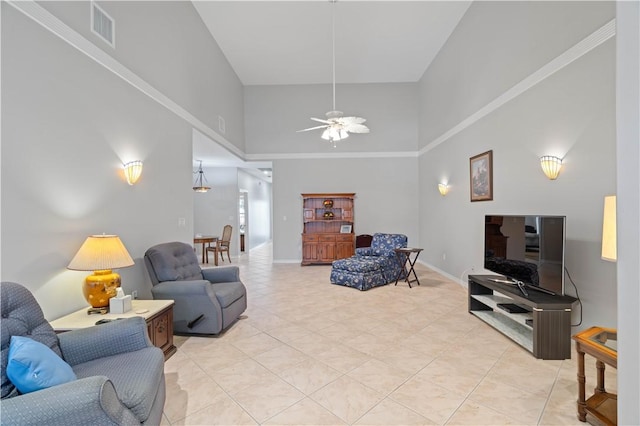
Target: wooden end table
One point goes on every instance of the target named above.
(158, 315)
(404, 256)
(601, 343)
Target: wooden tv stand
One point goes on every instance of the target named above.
(545, 331)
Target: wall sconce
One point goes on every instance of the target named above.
(443, 188)
(132, 171)
(551, 166)
(609, 245)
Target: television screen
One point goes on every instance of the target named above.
(526, 248)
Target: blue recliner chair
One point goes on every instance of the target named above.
(119, 374)
(207, 301)
(371, 266)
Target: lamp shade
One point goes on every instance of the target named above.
(609, 237)
(101, 252)
(551, 166)
(443, 188)
(132, 171)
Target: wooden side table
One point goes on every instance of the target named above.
(404, 256)
(157, 313)
(601, 343)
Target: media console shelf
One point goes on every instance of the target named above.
(545, 331)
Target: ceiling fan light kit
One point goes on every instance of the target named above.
(336, 127)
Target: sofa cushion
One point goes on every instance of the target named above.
(21, 316)
(358, 264)
(135, 375)
(174, 262)
(33, 366)
(227, 293)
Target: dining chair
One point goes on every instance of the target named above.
(222, 244)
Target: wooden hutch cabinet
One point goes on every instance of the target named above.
(326, 218)
(494, 241)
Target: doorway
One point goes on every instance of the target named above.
(243, 218)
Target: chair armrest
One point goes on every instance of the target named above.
(222, 275)
(99, 341)
(88, 401)
(178, 289)
(364, 251)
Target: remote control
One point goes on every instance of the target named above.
(522, 288)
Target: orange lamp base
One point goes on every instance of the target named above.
(100, 287)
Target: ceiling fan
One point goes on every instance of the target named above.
(336, 127)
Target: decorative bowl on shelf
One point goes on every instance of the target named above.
(327, 204)
(328, 215)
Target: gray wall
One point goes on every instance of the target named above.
(259, 208)
(68, 126)
(386, 197)
(70, 123)
(628, 162)
(570, 114)
(219, 207)
(167, 44)
(274, 114)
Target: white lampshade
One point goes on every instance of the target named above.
(101, 252)
(609, 231)
(443, 188)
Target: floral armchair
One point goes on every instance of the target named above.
(371, 266)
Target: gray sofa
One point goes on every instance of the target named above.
(120, 374)
(207, 301)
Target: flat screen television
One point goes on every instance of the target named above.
(526, 248)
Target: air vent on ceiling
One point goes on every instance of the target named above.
(103, 25)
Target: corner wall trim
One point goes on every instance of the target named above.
(50, 22)
(587, 44)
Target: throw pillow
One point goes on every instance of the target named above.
(33, 366)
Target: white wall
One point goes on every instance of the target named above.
(386, 197)
(571, 114)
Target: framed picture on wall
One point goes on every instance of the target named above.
(481, 176)
(345, 229)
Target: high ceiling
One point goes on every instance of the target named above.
(290, 42)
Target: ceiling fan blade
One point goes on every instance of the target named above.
(356, 128)
(314, 128)
(351, 120)
(319, 120)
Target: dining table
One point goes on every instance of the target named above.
(205, 239)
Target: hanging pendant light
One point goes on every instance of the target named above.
(198, 184)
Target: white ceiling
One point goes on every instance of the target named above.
(289, 42)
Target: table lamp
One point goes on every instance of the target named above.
(100, 254)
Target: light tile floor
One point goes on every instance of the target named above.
(307, 352)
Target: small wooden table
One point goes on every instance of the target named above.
(206, 239)
(158, 315)
(601, 343)
(404, 256)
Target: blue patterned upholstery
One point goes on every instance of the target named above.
(120, 373)
(371, 266)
